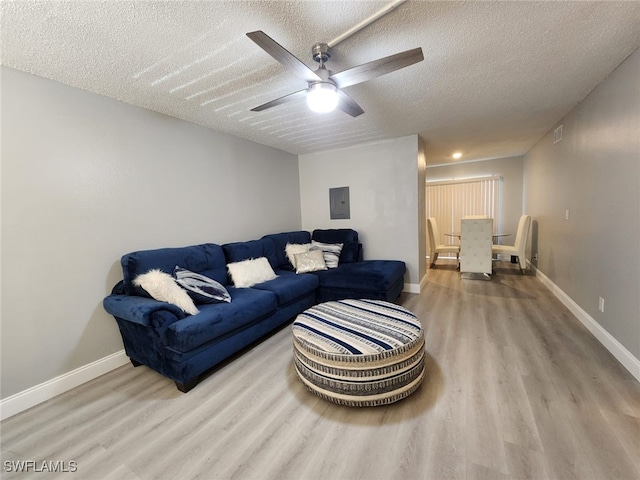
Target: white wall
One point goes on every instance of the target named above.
(86, 179)
(422, 209)
(383, 182)
(594, 172)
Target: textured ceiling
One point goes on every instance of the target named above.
(496, 75)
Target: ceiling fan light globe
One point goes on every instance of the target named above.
(322, 97)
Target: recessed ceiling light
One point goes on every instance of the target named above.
(457, 155)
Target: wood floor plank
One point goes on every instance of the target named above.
(627, 429)
(483, 431)
(526, 464)
(517, 424)
(565, 459)
(515, 387)
(606, 455)
(480, 472)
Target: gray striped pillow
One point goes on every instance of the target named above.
(330, 252)
(200, 288)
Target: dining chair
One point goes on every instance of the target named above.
(435, 247)
(476, 238)
(475, 217)
(518, 249)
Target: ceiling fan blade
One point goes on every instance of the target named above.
(379, 67)
(282, 55)
(348, 104)
(280, 101)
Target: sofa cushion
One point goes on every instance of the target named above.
(369, 275)
(348, 237)
(280, 241)
(207, 259)
(290, 287)
(247, 306)
(239, 251)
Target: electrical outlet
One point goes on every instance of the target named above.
(601, 304)
(566, 214)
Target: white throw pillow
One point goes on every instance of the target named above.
(251, 272)
(161, 286)
(310, 261)
(292, 249)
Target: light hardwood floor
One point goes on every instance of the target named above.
(515, 387)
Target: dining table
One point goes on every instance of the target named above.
(495, 237)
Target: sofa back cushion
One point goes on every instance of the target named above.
(207, 259)
(280, 241)
(239, 251)
(349, 239)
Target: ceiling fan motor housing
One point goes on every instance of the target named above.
(320, 52)
(324, 75)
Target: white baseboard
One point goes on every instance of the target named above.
(40, 393)
(618, 350)
(423, 282)
(414, 287)
(411, 288)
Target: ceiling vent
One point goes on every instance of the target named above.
(557, 134)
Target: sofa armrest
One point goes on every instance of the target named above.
(139, 310)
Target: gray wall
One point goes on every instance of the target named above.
(594, 172)
(383, 183)
(510, 169)
(86, 179)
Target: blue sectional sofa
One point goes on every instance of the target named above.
(163, 337)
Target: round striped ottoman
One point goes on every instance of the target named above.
(359, 352)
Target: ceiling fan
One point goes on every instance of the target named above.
(324, 91)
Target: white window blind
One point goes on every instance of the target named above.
(449, 201)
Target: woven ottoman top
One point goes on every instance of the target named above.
(368, 328)
(359, 352)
